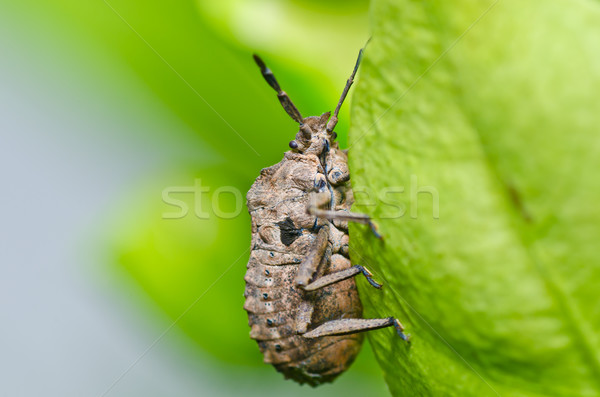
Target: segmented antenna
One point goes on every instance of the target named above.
(333, 121)
(285, 100)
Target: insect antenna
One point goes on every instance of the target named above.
(334, 119)
(285, 100)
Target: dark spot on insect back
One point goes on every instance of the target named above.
(265, 296)
(277, 348)
(288, 232)
(269, 322)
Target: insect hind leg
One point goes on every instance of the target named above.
(347, 326)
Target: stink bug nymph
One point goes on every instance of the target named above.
(301, 298)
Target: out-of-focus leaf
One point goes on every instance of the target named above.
(322, 36)
(499, 293)
(317, 39)
(195, 263)
(215, 88)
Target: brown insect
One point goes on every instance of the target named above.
(301, 298)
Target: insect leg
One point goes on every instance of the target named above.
(320, 200)
(344, 216)
(283, 97)
(342, 275)
(354, 325)
(311, 261)
(334, 119)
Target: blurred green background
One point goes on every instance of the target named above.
(105, 105)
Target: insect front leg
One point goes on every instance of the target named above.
(354, 325)
(322, 199)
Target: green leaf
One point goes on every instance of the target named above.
(487, 112)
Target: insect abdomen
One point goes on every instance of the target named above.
(283, 232)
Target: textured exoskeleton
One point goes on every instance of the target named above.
(301, 298)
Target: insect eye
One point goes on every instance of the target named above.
(293, 144)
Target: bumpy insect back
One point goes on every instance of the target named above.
(303, 306)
